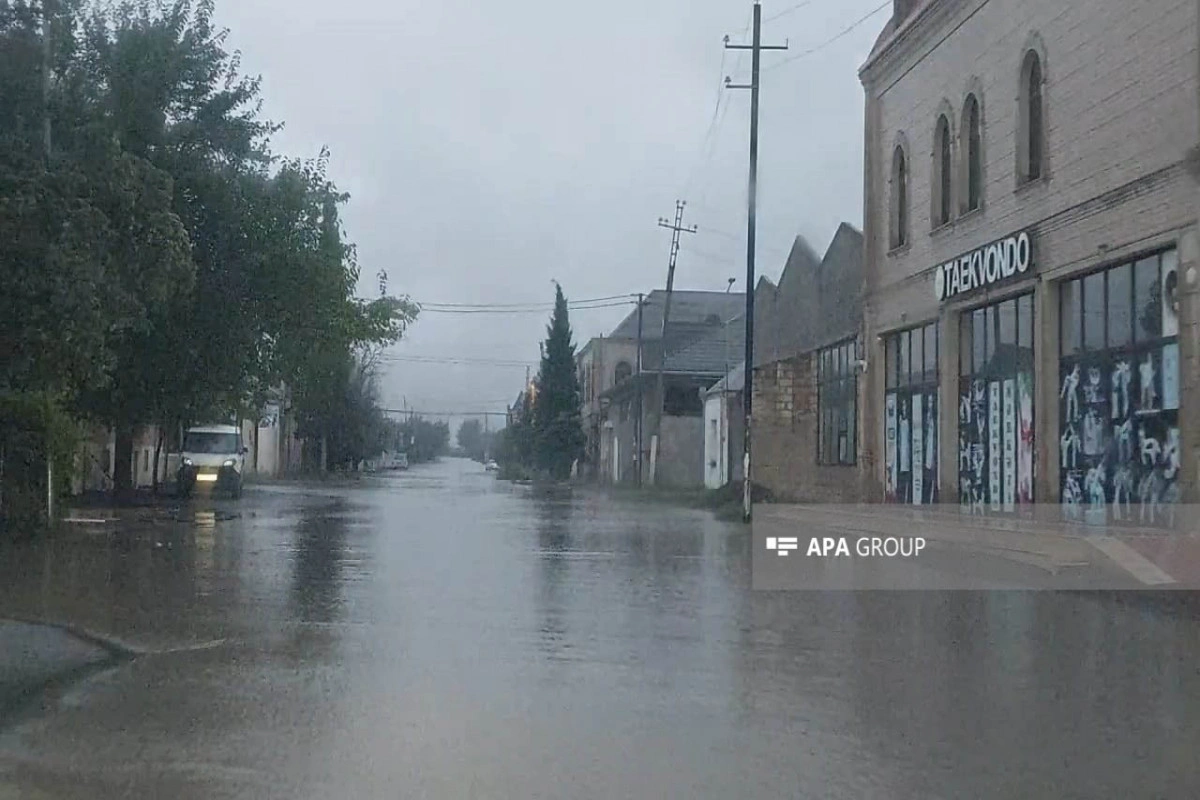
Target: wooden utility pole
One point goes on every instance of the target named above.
(676, 228)
(641, 451)
(755, 47)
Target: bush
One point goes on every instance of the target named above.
(516, 472)
(32, 427)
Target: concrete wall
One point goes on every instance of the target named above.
(784, 449)
(681, 453)
(1120, 120)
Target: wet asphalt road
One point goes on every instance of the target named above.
(439, 634)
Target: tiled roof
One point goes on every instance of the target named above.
(686, 308)
(712, 350)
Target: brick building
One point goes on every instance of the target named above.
(1031, 310)
(806, 412)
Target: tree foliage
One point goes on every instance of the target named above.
(558, 437)
(160, 263)
(472, 439)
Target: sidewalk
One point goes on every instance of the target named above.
(34, 658)
(1135, 557)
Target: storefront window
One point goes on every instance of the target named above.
(995, 413)
(911, 427)
(1119, 400)
(837, 390)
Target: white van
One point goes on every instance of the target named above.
(213, 458)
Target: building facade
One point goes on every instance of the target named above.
(698, 352)
(602, 363)
(1031, 246)
(807, 416)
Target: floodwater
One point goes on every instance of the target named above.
(440, 634)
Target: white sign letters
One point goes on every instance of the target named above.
(986, 266)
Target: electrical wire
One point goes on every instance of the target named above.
(524, 310)
(534, 304)
(787, 11)
(828, 41)
(474, 362)
(720, 109)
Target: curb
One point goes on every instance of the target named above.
(114, 647)
(20, 696)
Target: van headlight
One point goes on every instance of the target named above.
(229, 462)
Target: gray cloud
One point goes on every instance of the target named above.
(493, 148)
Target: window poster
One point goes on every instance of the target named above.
(1170, 295)
(994, 431)
(1025, 438)
(918, 445)
(1170, 377)
(892, 476)
(1010, 444)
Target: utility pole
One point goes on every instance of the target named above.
(676, 228)
(640, 393)
(755, 47)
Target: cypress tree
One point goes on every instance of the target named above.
(558, 428)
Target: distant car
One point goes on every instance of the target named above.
(491, 466)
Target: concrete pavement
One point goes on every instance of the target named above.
(1058, 553)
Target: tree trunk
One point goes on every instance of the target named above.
(123, 462)
(158, 446)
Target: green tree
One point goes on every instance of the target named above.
(558, 436)
(471, 439)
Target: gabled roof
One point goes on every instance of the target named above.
(709, 352)
(687, 307)
(734, 382)
(818, 300)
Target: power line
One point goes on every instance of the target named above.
(532, 304)
(482, 362)
(720, 109)
(830, 40)
(787, 11)
(525, 310)
(712, 126)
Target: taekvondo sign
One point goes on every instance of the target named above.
(986, 266)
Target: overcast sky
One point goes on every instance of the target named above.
(492, 148)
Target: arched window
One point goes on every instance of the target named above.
(1032, 135)
(943, 173)
(899, 215)
(972, 155)
(622, 373)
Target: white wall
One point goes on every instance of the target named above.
(716, 443)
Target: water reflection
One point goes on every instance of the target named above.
(553, 516)
(318, 560)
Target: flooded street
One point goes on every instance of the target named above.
(438, 633)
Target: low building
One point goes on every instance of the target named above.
(697, 355)
(602, 363)
(1030, 207)
(724, 428)
(806, 414)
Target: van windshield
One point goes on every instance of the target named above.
(196, 442)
